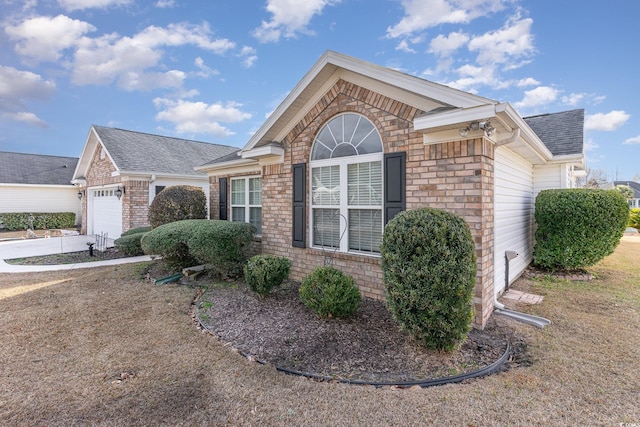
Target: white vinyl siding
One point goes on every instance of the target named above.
(551, 176)
(36, 198)
(514, 208)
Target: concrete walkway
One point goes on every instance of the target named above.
(55, 245)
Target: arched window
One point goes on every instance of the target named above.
(346, 185)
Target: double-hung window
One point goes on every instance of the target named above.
(346, 185)
(246, 201)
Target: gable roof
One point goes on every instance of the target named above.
(333, 66)
(143, 153)
(562, 133)
(635, 186)
(36, 169)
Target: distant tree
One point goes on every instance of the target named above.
(595, 178)
(626, 191)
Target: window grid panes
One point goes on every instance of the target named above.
(346, 185)
(246, 201)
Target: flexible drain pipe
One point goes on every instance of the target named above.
(499, 308)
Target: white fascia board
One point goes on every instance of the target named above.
(70, 187)
(574, 159)
(225, 165)
(147, 176)
(237, 169)
(454, 117)
(82, 182)
(84, 161)
(262, 151)
(509, 115)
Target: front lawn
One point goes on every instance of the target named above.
(104, 347)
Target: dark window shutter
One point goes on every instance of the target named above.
(395, 189)
(299, 205)
(223, 205)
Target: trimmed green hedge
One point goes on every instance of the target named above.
(136, 230)
(576, 228)
(41, 220)
(130, 244)
(429, 270)
(177, 203)
(634, 218)
(222, 245)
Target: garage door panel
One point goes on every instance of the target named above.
(106, 213)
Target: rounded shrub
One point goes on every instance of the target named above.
(136, 230)
(429, 271)
(263, 273)
(130, 244)
(576, 228)
(330, 293)
(170, 242)
(177, 203)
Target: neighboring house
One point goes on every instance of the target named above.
(635, 186)
(120, 172)
(355, 143)
(37, 183)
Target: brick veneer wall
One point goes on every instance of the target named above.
(455, 176)
(135, 200)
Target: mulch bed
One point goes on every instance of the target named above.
(282, 331)
(68, 258)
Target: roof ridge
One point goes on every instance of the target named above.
(557, 112)
(39, 155)
(162, 136)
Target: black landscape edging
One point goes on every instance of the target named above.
(482, 372)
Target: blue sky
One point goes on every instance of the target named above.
(213, 70)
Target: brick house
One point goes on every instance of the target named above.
(120, 172)
(355, 143)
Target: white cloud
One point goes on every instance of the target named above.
(403, 46)
(573, 99)
(634, 140)
(446, 45)
(24, 117)
(44, 38)
(512, 41)
(71, 5)
(164, 4)
(16, 89)
(289, 18)
(205, 71)
(198, 117)
(420, 15)
(529, 81)
(606, 121)
(249, 56)
(590, 145)
(536, 97)
(128, 60)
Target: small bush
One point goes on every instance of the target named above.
(263, 273)
(177, 203)
(578, 227)
(41, 220)
(429, 270)
(130, 244)
(634, 218)
(136, 230)
(222, 245)
(330, 293)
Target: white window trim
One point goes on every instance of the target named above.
(343, 207)
(247, 207)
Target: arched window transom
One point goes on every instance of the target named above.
(346, 185)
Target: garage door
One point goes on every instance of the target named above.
(105, 212)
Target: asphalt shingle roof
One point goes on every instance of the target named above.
(38, 169)
(142, 152)
(562, 133)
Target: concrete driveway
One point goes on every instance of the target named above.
(55, 245)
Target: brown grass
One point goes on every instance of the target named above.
(102, 347)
